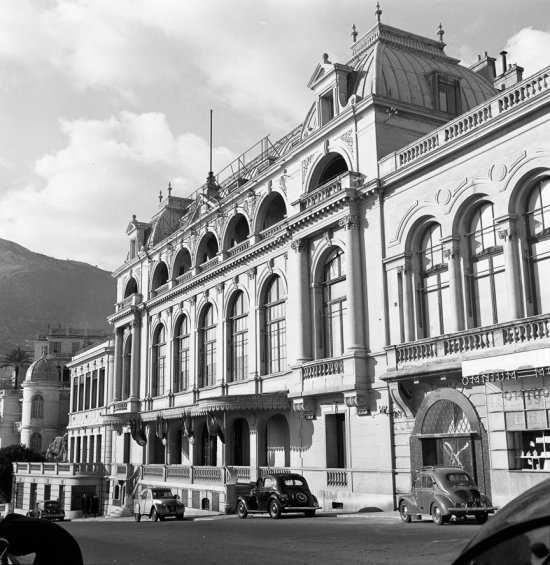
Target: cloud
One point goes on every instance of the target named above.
(109, 169)
(529, 49)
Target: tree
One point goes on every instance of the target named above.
(8, 456)
(16, 358)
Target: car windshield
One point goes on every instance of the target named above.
(162, 493)
(460, 480)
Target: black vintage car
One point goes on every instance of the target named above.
(278, 493)
(442, 492)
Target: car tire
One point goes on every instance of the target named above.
(437, 516)
(482, 518)
(404, 512)
(309, 513)
(154, 515)
(274, 509)
(242, 512)
(137, 517)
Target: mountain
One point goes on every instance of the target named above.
(37, 291)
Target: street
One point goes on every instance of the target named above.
(259, 539)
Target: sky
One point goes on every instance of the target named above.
(104, 102)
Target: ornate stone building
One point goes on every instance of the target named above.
(360, 298)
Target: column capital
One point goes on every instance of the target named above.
(349, 222)
(298, 245)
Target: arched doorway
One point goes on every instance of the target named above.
(240, 443)
(209, 448)
(277, 442)
(447, 431)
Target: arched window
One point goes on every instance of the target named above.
(208, 346)
(131, 288)
(238, 328)
(126, 367)
(158, 362)
(434, 282)
(36, 442)
(334, 303)
(538, 232)
(37, 406)
(274, 327)
(181, 379)
(487, 275)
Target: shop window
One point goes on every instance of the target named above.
(529, 449)
(19, 491)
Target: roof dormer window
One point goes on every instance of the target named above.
(447, 94)
(326, 108)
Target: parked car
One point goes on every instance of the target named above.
(519, 532)
(278, 493)
(442, 492)
(47, 510)
(158, 504)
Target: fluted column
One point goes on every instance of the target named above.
(355, 338)
(298, 314)
(135, 358)
(117, 381)
(451, 253)
(507, 233)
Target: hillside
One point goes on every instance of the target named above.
(37, 291)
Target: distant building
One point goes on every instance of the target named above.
(361, 298)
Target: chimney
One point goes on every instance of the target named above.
(503, 55)
(485, 67)
(512, 75)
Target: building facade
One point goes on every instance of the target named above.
(361, 298)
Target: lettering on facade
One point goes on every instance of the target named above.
(500, 376)
(533, 393)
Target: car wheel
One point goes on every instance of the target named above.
(437, 516)
(154, 515)
(309, 513)
(137, 517)
(274, 509)
(482, 518)
(242, 512)
(404, 512)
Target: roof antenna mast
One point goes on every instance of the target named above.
(210, 181)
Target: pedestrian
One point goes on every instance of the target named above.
(95, 505)
(51, 544)
(84, 504)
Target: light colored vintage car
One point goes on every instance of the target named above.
(158, 504)
(47, 510)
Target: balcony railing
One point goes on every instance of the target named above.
(132, 300)
(59, 468)
(238, 248)
(209, 265)
(345, 181)
(522, 93)
(269, 232)
(322, 368)
(337, 478)
(454, 346)
(185, 277)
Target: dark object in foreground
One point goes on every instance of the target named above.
(278, 493)
(519, 533)
(442, 492)
(51, 543)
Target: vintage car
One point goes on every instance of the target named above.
(519, 533)
(48, 510)
(442, 492)
(278, 493)
(158, 504)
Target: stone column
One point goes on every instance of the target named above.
(508, 234)
(254, 455)
(117, 381)
(135, 358)
(451, 253)
(355, 338)
(109, 378)
(298, 314)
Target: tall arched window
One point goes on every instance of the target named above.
(489, 298)
(126, 366)
(434, 282)
(274, 327)
(159, 361)
(181, 378)
(208, 346)
(238, 328)
(36, 442)
(37, 406)
(538, 231)
(334, 303)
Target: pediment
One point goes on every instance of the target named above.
(320, 72)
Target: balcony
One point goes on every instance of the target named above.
(209, 265)
(132, 300)
(498, 339)
(335, 374)
(67, 469)
(238, 249)
(346, 181)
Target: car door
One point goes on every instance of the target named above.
(417, 491)
(263, 492)
(427, 493)
(146, 499)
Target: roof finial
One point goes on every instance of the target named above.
(325, 59)
(160, 196)
(354, 33)
(440, 32)
(169, 188)
(378, 12)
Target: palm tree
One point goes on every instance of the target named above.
(16, 358)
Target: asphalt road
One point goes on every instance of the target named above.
(261, 540)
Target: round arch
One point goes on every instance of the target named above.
(329, 167)
(160, 276)
(207, 249)
(271, 211)
(274, 440)
(182, 263)
(131, 287)
(447, 430)
(237, 231)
